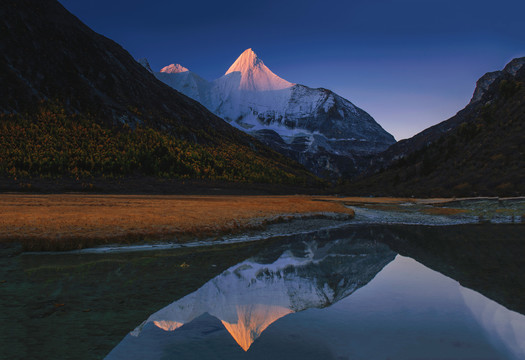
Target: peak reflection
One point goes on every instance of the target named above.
(250, 296)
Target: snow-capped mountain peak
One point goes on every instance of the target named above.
(323, 131)
(173, 69)
(255, 76)
(246, 60)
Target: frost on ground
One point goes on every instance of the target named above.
(448, 212)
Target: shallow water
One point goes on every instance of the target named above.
(358, 292)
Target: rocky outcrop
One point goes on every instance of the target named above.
(483, 84)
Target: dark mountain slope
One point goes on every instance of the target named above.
(480, 151)
(480, 97)
(56, 73)
(48, 54)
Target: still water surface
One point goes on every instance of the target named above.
(374, 292)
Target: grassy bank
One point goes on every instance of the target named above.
(71, 221)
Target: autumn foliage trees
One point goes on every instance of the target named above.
(54, 144)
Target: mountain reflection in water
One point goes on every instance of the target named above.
(250, 296)
(337, 299)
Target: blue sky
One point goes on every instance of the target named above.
(410, 64)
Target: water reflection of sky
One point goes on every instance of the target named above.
(410, 311)
(296, 308)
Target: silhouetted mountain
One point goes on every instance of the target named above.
(479, 151)
(67, 84)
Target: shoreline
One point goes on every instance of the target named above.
(289, 228)
(72, 222)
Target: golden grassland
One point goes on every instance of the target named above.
(71, 221)
(75, 221)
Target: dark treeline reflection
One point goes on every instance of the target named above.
(489, 259)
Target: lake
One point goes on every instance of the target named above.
(355, 292)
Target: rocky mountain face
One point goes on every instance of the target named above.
(52, 66)
(479, 151)
(323, 131)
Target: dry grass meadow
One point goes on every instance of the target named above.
(70, 221)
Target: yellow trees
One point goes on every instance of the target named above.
(59, 145)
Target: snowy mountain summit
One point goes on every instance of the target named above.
(320, 129)
(255, 76)
(173, 69)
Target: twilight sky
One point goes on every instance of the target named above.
(409, 63)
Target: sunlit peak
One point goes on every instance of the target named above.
(256, 76)
(174, 69)
(167, 325)
(252, 320)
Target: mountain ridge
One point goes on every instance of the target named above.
(317, 127)
(479, 151)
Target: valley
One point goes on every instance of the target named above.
(152, 214)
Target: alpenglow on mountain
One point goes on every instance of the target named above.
(325, 132)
